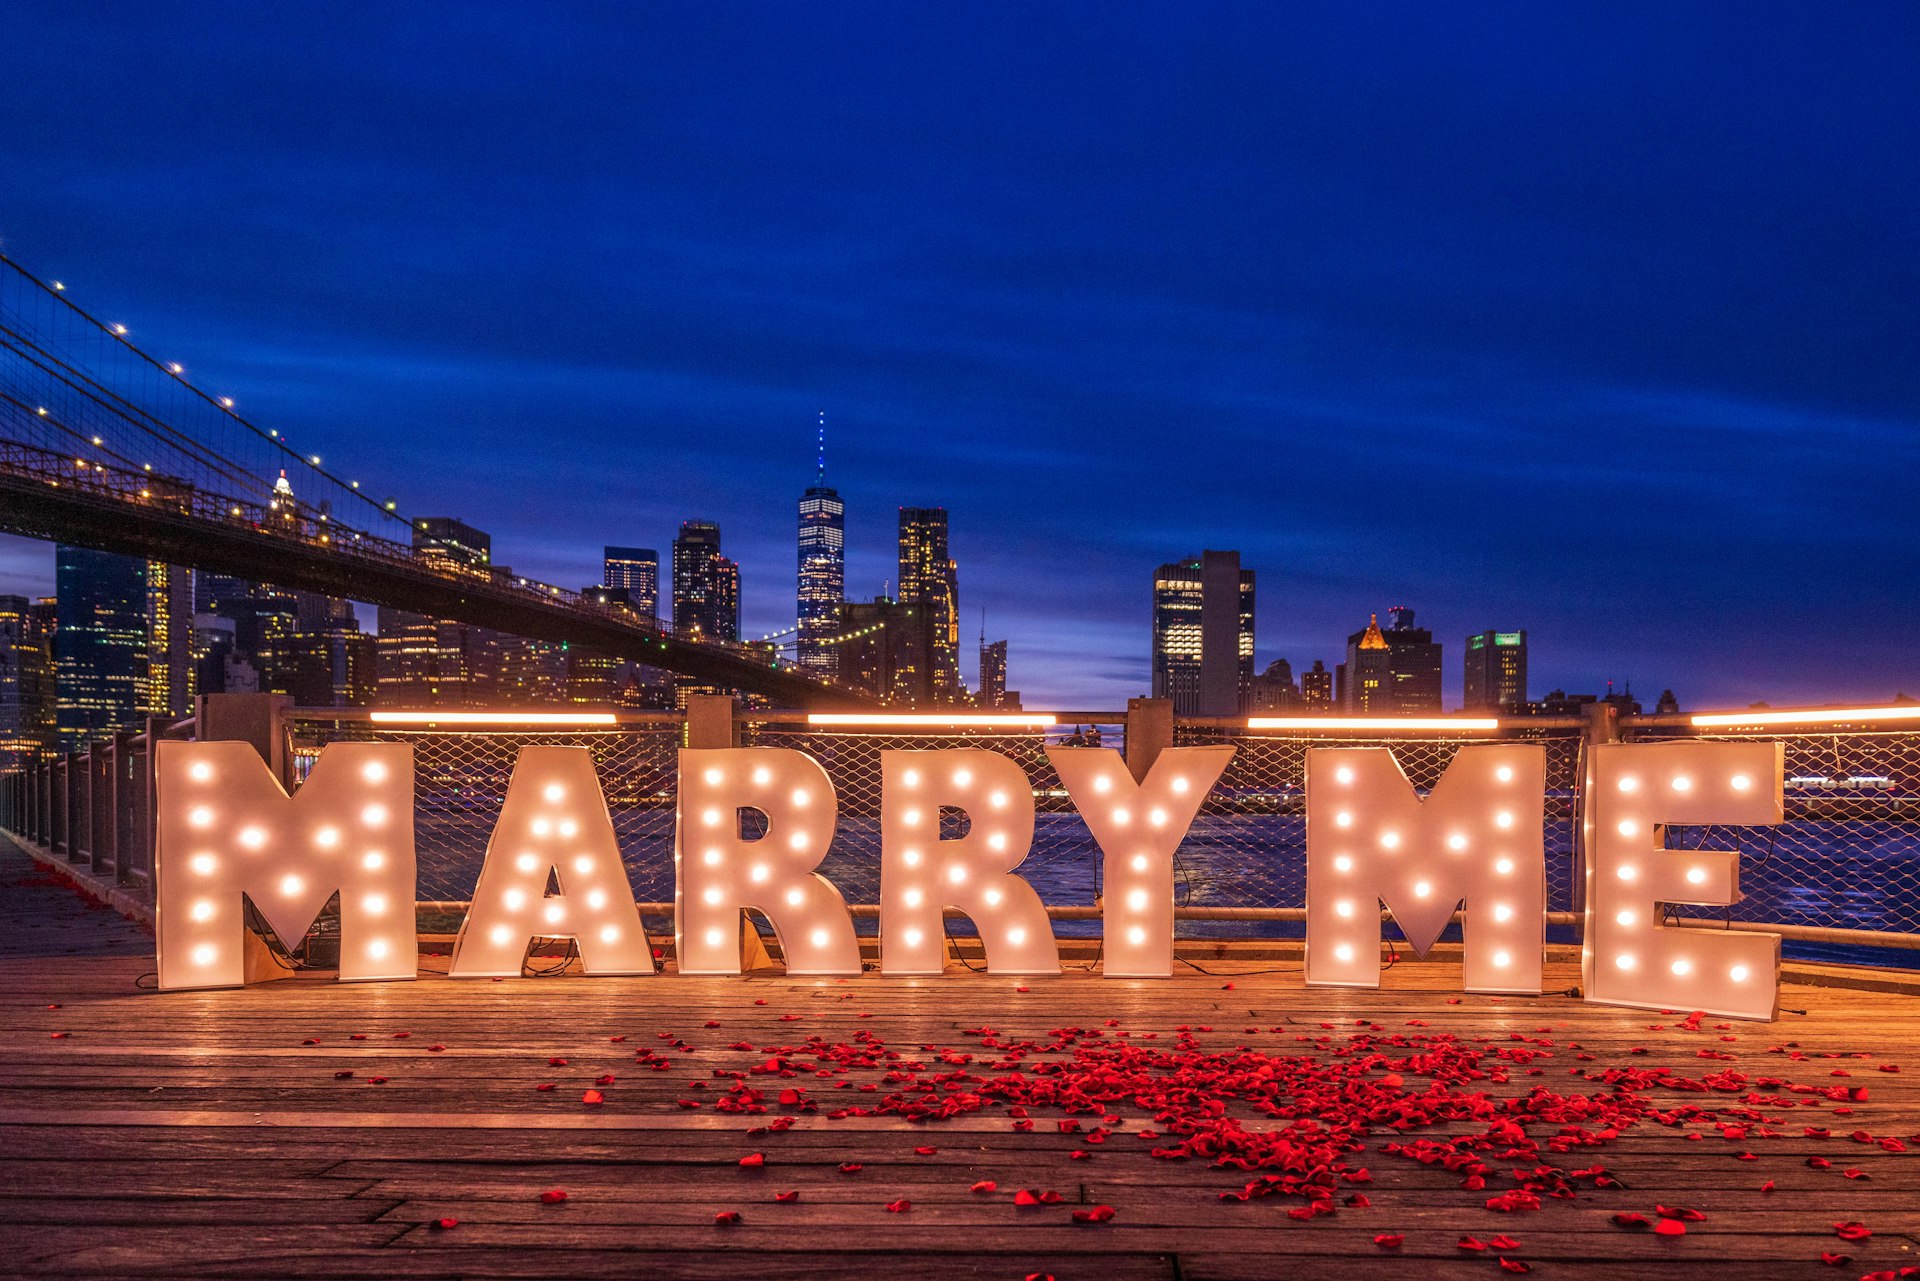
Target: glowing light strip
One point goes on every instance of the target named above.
(929, 718)
(1818, 717)
(1372, 722)
(492, 718)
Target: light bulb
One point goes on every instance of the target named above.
(291, 885)
(1738, 974)
(374, 815)
(1626, 872)
(1629, 828)
(374, 904)
(1343, 819)
(1421, 889)
(596, 899)
(1344, 774)
(1102, 784)
(912, 898)
(760, 874)
(609, 934)
(713, 774)
(1343, 908)
(910, 857)
(373, 860)
(998, 800)
(553, 791)
(203, 954)
(374, 771)
(1625, 918)
(1740, 782)
(1696, 876)
(1681, 783)
(568, 827)
(1389, 840)
(761, 774)
(540, 827)
(796, 897)
(711, 818)
(1137, 900)
(1623, 961)
(327, 837)
(1016, 936)
(797, 841)
(715, 937)
(1343, 953)
(1629, 783)
(910, 818)
(203, 910)
(712, 895)
(711, 858)
(200, 816)
(1136, 935)
(992, 897)
(513, 899)
(1504, 773)
(1140, 862)
(1180, 786)
(1121, 817)
(378, 949)
(800, 797)
(1343, 864)
(526, 862)
(997, 841)
(253, 837)
(1503, 819)
(499, 935)
(583, 864)
(1456, 842)
(1502, 959)
(957, 874)
(819, 938)
(202, 864)
(1502, 912)
(912, 938)
(1682, 966)
(962, 777)
(1157, 817)
(911, 778)
(1503, 866)
(200, 772)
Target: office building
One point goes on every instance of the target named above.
(123, 643)
(823, 571)
(27, 724)
(887, 650)
(428, 662)
(1496, 672)
(993, 673)
(1316, 688)
(706, 585)
(635, 571)
(1203, 635)
(930, 580)
(1273, 690)
(1391, 672)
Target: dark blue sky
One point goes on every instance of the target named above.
(1601, 321)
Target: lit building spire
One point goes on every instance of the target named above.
(820, 478)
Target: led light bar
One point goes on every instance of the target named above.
(1004, 720)
(1817, 716)
(1373, 722)
(492, 718)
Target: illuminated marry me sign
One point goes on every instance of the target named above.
(228, 834)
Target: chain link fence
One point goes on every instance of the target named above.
(1848, 854)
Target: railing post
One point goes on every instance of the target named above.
(258, 719)
(140, 864)
(99, 803)
(1603, 726)
(1149, 732)
(710, 721)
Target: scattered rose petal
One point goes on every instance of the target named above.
(1095, 1214)
(899, 1207)
(554, 1196)
(1390, 1240)
(753, 1160)
(726, 1217)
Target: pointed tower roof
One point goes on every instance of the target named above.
(1373, 639)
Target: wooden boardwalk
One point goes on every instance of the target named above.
(254, 1133)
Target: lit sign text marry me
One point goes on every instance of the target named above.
(228, 833)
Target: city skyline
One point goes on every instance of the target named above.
(1371, 298)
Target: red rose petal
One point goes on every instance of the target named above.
(593, 1096)
(444, 1224)
(1097, 1214)
(1852, 1231)
(753, 1159)
(554, 1196)
(726, 1217)
(1390, 1240)
(850, 1167)
(985, 1185)
(1503, 1243)
(925, 1151)
(1833, 1260)
(899, 1207)
(1470, 1243)
(1670, 1228)
(1514, 1265)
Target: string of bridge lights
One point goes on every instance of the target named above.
(177, 371)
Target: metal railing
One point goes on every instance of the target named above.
(1844, 868)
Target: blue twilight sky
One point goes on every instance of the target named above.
(1598, 320)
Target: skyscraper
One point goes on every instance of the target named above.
(1496, 675)
(1273, 690)
(993, 673)
(426, 661)
(930, 581)
(124, 641)
(706, 585)
(886, 650)
(1203, 634)
(1316, 688)
(823, 568)
(26, 684)
(636, 571)
(1395, 672)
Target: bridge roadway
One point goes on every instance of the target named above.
(43, 495)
